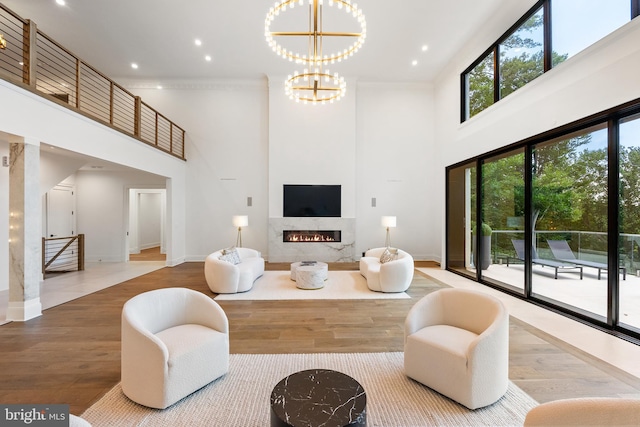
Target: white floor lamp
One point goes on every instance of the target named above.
(388, 222)
(240, 221)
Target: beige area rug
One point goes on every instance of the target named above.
(277, 285)
(242, 396)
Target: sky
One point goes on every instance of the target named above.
(580, 23)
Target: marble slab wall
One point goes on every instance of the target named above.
(343, 251)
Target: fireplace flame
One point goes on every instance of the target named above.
(309, 238)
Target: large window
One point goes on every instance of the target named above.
(556, 219)
(523, 53)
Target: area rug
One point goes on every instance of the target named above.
(277, 285)
(242, 396)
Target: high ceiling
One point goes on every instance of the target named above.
(159, 36)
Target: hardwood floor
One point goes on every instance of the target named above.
(71, 354)
(151, 254)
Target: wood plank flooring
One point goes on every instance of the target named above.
(151, 254)
(71, 354)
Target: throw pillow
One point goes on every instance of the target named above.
(231, 255)
(228, 258)
(389, 254)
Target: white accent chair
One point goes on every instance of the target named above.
(224, 277)
(174, 342)
(391, 276)
(588, 411)
(457, 343)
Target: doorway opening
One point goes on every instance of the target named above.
(146, 235)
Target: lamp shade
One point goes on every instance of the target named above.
(240, 220)
(388, 221)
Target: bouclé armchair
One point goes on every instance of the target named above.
(457, 343)
(174, 342)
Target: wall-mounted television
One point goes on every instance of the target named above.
(312, 201)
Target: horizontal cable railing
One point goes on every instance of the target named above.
(62, 254)
(36, 60)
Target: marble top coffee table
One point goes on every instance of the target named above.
(318, 397)
(309, 275)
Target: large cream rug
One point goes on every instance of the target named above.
(277, 285)
(241, 397)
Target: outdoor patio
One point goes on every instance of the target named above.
(588, 294)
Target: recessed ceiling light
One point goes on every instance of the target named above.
(61, 2)
(134, 65)
(198, 42)
(414, 62)
(425, 47)
(207, 58)
(158, 87)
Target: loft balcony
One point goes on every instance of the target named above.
(34, 61)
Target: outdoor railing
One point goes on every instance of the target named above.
(62, 254)
(587, 245)
(33, 59)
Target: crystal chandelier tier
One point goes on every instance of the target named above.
(316, 86)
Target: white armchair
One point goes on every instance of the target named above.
(391, 276)
(174, 342)
(223, 277)
(457, 343)
(587, 411)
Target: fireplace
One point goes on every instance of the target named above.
(311, 236)
(337, 246)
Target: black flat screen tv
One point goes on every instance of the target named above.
(312, 201)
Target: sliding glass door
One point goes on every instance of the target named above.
(503, 219)
(629, 237)
(461, 214)
(569, 220)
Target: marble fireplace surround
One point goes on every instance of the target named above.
(343, 251)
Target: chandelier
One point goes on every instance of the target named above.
(315, 85)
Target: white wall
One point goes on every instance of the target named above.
(395, 128)
(311, 144)
(600, 77)
(150, 210)
(102, 210)
(246, 139)
(227, 158)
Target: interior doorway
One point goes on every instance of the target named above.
(146, 235)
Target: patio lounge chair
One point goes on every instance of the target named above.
(558, 266)
(563, 252)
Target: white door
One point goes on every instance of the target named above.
(60, 214)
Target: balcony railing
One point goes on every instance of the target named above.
(587, 245)
(36, 61)
(62, 254)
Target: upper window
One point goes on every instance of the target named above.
(523, 53)
(479, 86)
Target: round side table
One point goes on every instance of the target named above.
(309, 276)
(318, 397)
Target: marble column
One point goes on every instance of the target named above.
(25, 231)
